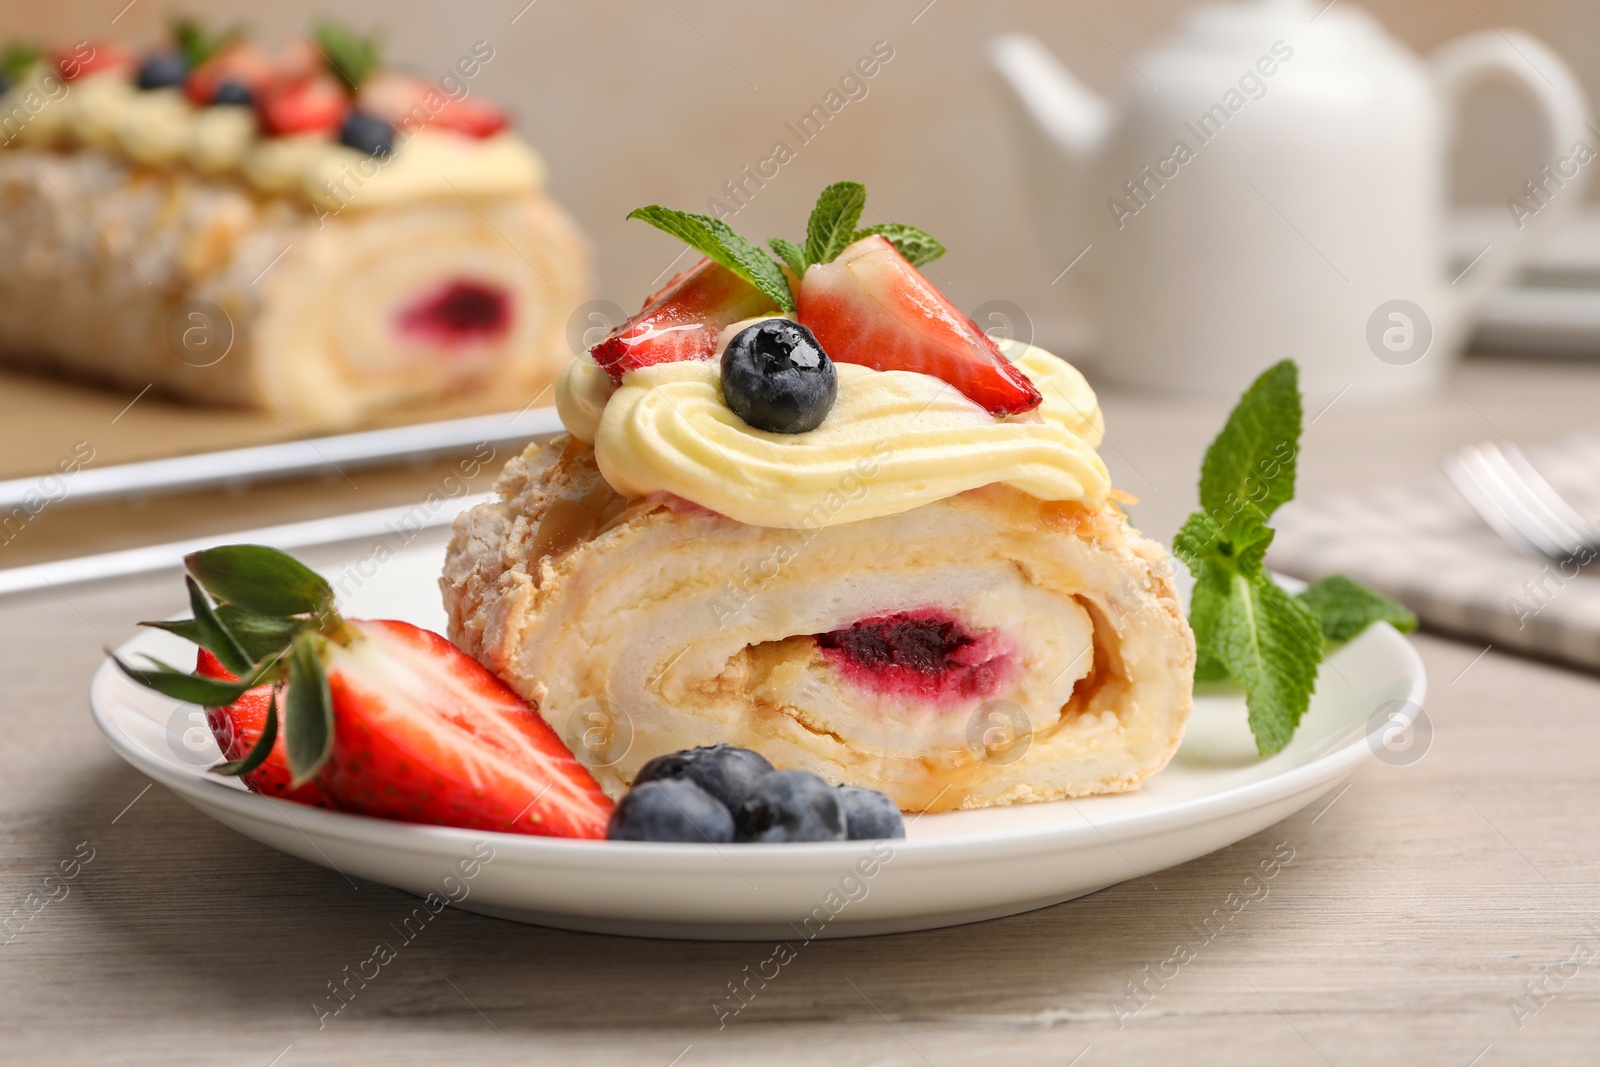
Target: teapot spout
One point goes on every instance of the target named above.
(1063, 128)
(1071, 118)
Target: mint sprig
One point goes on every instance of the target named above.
(1245, 625)
(197, 43)
(15, 60)
(715, 238)
(829, 231)
(352, 57)
(832, 228)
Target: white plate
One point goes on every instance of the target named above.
(952, 868)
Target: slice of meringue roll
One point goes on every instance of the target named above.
(208, 289)
(987, 648)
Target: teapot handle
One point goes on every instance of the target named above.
(1525, 60)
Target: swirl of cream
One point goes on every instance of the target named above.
(893, 441)
(424, 164)
(154, 126)
(581, 394)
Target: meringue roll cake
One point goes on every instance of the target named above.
(849, 534)
(301, 232)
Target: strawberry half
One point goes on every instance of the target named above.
(243, 63)
(387, 719)
(871, 306)
(406, 101)
(90, 57)
(238, 726)
(424, 733)
(682, 320)
(314, 105)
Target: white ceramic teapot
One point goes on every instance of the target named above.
(1270, 184)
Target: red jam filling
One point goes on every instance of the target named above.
(460, 312)
(927, 654)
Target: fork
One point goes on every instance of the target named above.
(1519, 503)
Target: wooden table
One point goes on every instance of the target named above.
(1422, 904)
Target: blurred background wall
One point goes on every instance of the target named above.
(642, 101)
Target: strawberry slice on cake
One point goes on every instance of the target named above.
(682, 320)
(871, 306)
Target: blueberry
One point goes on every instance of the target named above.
(723, 771)
(163, 71)
(790, 806)
(237, 94)
(674, 810)
(367, 133)
(869, 815)
(775, 376)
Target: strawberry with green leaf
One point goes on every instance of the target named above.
(239, 727)
(1246, 626)
(384, 718)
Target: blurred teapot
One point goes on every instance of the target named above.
(1270, 184)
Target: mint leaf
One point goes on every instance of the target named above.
(16, 59)
(916, 245)
(1252, 461)
(715, 238)
(1207, 668)
(791, 254)
(831, 229)
(197, 43)
(350, 56)
(1195, 540)
(1272, 644)
(832, 225)
(1206, 605)
(1345, 607)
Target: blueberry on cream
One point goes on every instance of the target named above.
(776, 377)
(164, 70)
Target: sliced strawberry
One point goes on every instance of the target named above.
(394, 721)
(299, 58)
(90, 57)
(314, 105)
(243, 63)
(237, 728)
(474, 118)
(682, 320)
(407, 101)
(424, 733)
(871, 306)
